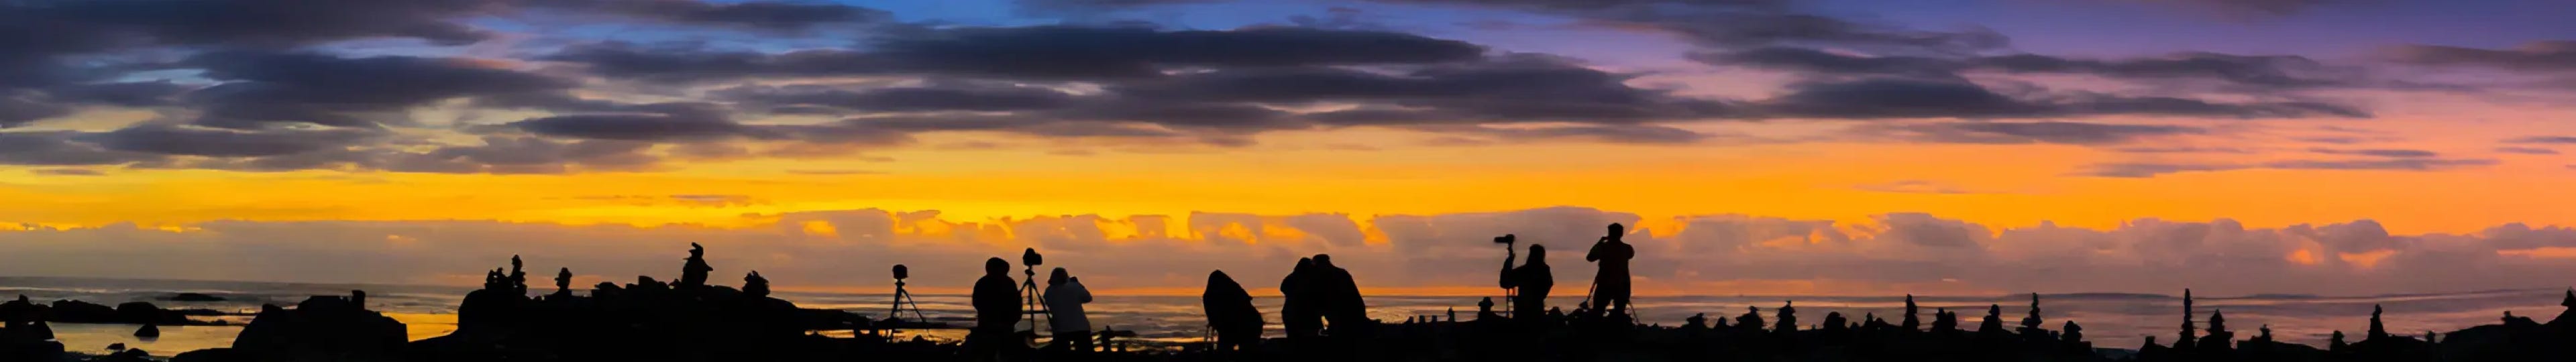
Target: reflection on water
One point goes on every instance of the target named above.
(94, 338)
(2112, 320)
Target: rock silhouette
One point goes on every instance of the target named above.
(322, 328)
(1788, 319)
(24, 335)
(693, 272)
(1910, 322)
(650, 321)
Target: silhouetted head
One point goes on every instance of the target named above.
(1303, 264)
(1616, 230)
(1322, 260)
(995, 266)
(1538, 254)
(1058, 277)
(1219, 277)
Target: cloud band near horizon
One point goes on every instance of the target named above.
(1426, 254)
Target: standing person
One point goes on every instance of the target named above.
(1610, 286)
(1230, 312)
(1298, 311)
(1064, 298)
(1340, 299)
(997, 311)
(1534, 280)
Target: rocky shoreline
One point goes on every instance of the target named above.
(690, 319)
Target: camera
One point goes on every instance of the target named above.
(1031, 258)
(1506, 239)
(901, 272)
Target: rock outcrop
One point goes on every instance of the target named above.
(322, 328)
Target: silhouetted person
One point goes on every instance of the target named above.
(1534, 280)
(694, 272)
(2336, 343)
(1230, 312)
(997, 310)
(1610, 286)
(1343, 306)
(755, 286)
(1696, 322)
(1943, 321)
(1064, 298)
(358, 298)
(1911, 324)
(1788, 318)
(1298, 311)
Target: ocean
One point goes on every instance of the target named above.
(2111, 320)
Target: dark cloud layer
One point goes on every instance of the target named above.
(762, 15)
(1927, 98)
(2553, 55)
(261, 87)
(1040, 52)
(2074, 133)
(2143, 170)
(2267, 72)
(276, 84)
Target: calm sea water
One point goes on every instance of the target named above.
(2112, 320)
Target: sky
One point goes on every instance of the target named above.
(1838, 147)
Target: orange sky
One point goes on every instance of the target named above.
(1313, 172)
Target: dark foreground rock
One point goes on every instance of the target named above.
(645, 320)
(322, 328)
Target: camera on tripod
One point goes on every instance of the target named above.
(1031, 258)
(901, 272)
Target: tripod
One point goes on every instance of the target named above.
(904, 297)
(1036, 307)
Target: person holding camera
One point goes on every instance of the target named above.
(1533, 279)
(1610, 286)
(1064, 298)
